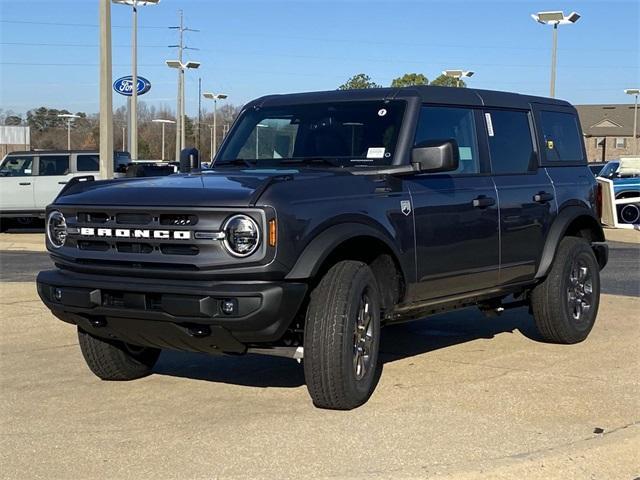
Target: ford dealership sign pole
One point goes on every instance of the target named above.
(134, 70)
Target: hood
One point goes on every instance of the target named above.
(228, 187)
(626, 184)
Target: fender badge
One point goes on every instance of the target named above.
(405, 207)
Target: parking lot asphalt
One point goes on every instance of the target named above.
(460, 396)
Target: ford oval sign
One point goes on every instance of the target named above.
(124, 85)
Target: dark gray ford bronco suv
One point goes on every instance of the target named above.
(326, 216)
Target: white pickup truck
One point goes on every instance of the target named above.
(31, 180)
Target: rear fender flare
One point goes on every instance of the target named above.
(558, 230)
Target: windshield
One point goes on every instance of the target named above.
(342, 134)
(609, 169)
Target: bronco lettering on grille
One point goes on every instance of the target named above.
(135, 233)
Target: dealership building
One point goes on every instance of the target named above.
(607, 130)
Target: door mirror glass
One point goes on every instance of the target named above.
(436, 156)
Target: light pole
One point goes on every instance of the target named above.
(180, 113)
(258, 127)
(68, 116)
(134, 68)
(163, 122)
(124, 136)
(215, 97)
(457, 74)
(555, 19)
(635, 92)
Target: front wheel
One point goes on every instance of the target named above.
(115, 360)
(342, 337)
(565, 304)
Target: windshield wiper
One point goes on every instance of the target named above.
(235, 161)
(302, 160)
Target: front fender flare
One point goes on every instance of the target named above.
(317, 251)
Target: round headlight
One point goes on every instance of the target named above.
(242, 235)
(56, 229)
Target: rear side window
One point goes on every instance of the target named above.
(562, 139)
(53, 165)
(510, 143)
(88, 163)
(446, 123)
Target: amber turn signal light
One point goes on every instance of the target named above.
(273, 233)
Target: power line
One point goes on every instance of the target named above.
(74, 45)
(63, 24)
(156, 65)
(324, 39)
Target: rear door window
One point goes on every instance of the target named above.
(451, 123)
(562, 141)
(51, 165)
(510, 142)
(88, 163)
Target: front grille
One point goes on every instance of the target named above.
(93, 246)
(133, 218)
(92, 217)
(178, 220)
(150, 238)
(179, 249)
(130, 247)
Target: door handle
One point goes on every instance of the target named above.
(62, 183)
(24, 183)
(543, 197)
(483, 202)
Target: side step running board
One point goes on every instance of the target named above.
(296, 353)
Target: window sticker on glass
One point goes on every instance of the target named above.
(375, 152)
(465, 153)
(489, 124)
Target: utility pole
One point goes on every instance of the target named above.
(106, 99)
(199, 111)
(180, 128)
(134, 81)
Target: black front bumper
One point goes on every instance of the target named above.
(178, 314)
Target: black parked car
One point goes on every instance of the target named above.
(326, 216)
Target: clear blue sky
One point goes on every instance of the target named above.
(49, 49)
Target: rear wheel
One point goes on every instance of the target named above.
(115, 360)
(565, 305)
(342, 337)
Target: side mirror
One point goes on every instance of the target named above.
(436, 156)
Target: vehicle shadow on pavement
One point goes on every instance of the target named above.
(445, 330)
(398, 342)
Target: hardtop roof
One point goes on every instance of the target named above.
(427, 94)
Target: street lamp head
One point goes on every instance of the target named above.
(458, 73)
(192, 64)
(68, 115)
(632, 91)
(135, 3)
(555, 18)
(214, 96)
(173, 63)
(162, 120)
(452, 73)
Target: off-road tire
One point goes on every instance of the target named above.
(114, 360)
(550, 300)
(329, 350)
